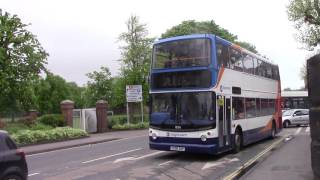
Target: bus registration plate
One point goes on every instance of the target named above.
(177, 148)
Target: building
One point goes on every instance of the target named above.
(294, 100)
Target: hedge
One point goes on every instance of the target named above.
(131, 126)
(41, 136)
(122, 120)
(54, 120)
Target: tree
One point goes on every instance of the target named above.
(76, 94)
(205, 27)
(22, 58)
(50, 91)
(135, 55)
(303, 74)
(99, 86)
(306, 17)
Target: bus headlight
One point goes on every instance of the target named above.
(203, 138)
(154, 136)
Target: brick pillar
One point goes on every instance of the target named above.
(33, 115)
(102, 119)
(66, 109)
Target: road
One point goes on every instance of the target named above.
(290, 162)
(132, 159)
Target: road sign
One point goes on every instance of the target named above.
(134, 93)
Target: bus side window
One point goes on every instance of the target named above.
(264, 107)
(269, 70)
(238, 108)
(236, 60)
(248, 63)
(250, 107)
(275, 73)
(255, 66)
(260, 70)
(222, 55)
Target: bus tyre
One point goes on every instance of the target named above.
(237, 143)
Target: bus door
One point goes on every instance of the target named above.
(224, 120)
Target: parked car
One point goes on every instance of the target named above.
(13, 165)
(295, 117)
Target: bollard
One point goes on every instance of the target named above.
(102, 119)
(67, 111)
(33, 114)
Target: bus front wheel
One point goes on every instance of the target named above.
(237, 143)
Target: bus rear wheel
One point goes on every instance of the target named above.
(237, 143)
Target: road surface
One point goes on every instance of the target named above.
(132, 159)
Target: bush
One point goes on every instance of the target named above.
(40, 126)
(39, 136)
(14, 127)
(131, 126)
(54, 120)
(122, 120)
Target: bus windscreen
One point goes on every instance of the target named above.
(182, 53)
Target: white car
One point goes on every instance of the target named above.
(295, 117)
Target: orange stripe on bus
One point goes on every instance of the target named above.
(220, 76)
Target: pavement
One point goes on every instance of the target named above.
(92, 139)
(126, 155)
(290, 162)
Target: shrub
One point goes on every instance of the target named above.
(39, 136)
(131, 126)
(14, 127)
(122, 120)
(54, 120)
(40, 126)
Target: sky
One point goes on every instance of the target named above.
(82, 35)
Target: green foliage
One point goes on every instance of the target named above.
(306, 17)
(205, 27)
(135, 56)
(76, 94)
(21, 60)
(99, 86)
(40, 136)
(54, 120)
(122, 120)
(15, 127)
(50, 92)
(131, 126)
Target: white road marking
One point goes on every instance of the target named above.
(89, 145)
(124, 159)
(298, 131)
(165, 163)
(33, 174)
(252, 160)
(137, 158)
(105, 157)
(219, 163)
(307, 129)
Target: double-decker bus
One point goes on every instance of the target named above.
(208, 95)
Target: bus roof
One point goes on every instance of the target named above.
(195, 36)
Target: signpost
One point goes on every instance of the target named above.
(134, 94)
